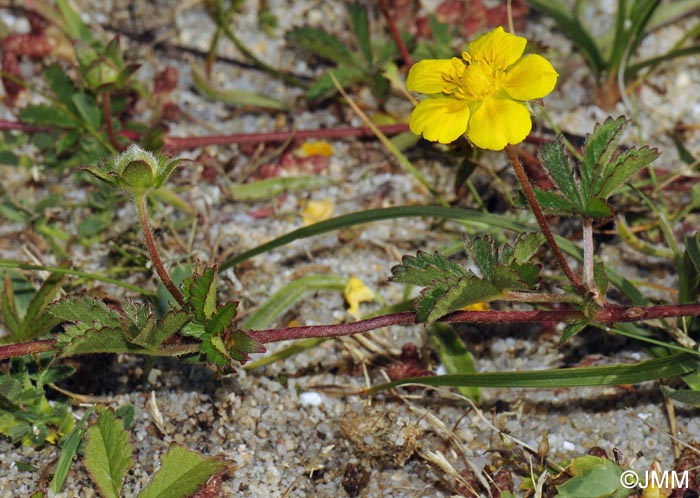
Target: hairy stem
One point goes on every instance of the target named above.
(588, 266)
(542, 221)
(153, 251)
(25, 348)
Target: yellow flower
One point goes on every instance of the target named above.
(483, 94)
(357, 292)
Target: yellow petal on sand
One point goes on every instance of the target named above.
(477, 307)
(357, 292)
(316, 211)
(320, 148)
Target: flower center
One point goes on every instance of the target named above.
(480, 80)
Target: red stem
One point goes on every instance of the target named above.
(607, 314)
(174, 144)
(395, 34)
(107, 110)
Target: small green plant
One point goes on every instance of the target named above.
(610, 57)
(364, 65)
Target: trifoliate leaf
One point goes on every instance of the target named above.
(424, 269)
(600, 148)
(621, 170)
(108, 454)
(182, 472)
(87, 309)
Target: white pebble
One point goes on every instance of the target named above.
(311, 398)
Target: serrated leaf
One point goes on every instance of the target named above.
(214, 349)
(44, 115)
(170, 324)
(623, 168)
(597, 208)
(182, 472)
(425, 303)
(103, 340)
(319, 42)
(455, 356)
(685, 396)
(108, 454)
(324, 86)
(506, 278)
(62, 86)
(600, 147)
(571, 330)
(86, 309)
(557, 164)
(554, 203)
(423, 269)
(360, 26)
(465, 291)
(200, 290)
(526, 245)
(482, 251)
(240, 345)
(221, 320)
(88, 110)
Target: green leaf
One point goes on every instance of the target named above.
(601, 145)
(522, 277)
(68, 452)
(88, 110)
(270, 187)
(685, 396)
(182, 472)
(597, 208)
(284, 298)
(324, 86)
(594, 477)
(526, 245)
(554, 203)
(83, 308)
(44, 115)
(74, 26)
(619, 172)
(169, 325)
(31, 326)
(103, 340)
(360, 26)
(633, 373)
(60, 83)
(571, 330)
(465, 291)
(234, 97)
(9, 307)
(424, 269)
(600, 277)
(319, 42)
(556, 162)
(482, 251)
(240, 345)
(221, 320)
(200, 290)
(108, 453)
(455, 356)
(689, 272)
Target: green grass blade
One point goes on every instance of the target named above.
(270, 187)
(284, 298)
(455, 356)
(293, 350)
(472, 217)
(70, 448)
(571, 26)
(8, 263)
(634, 373)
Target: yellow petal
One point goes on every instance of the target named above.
(441, 119)
(532, 77)
(428, 76)
(320, 148)
(316, 211)
(357, 292)
(499, 122)
(497, 47)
